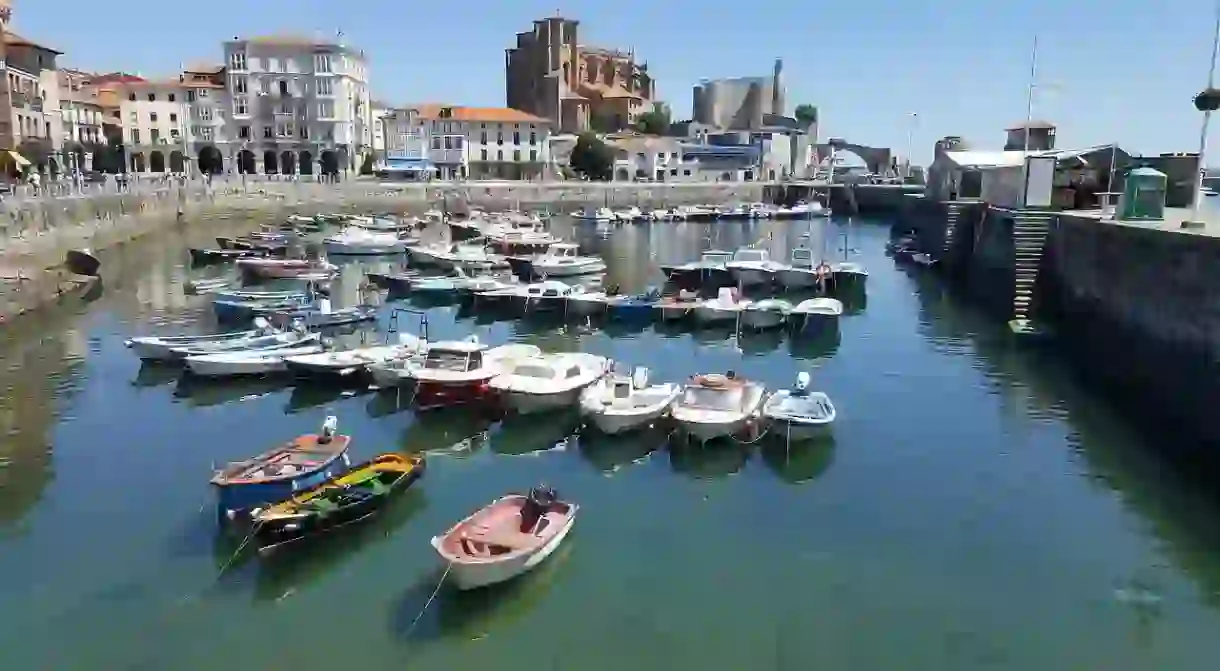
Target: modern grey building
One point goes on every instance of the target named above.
(740, 103)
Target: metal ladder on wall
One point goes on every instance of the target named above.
(1029, 233)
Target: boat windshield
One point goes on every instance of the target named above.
(750, 255)
(533, 370)
(441, 360)
(712, 399)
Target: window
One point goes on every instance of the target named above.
(190, 96)
(241, 85)
(174, 134)
(283, 87)
(457, 142)
(241, 106)
(304, 132)
(173, 118)
(284, 129)
(243, 133)
(483, 137)
(516, 138)
(499, 154)
(154, 136)
(202, 93)
(238, 60)
(206, 133)
(673, 173)
(204, 114)
(516, 155)
(533, 156)
(152, 116)
(324, 86)
(484, 154)
(686, 173)
(321, 62)
(135, 118)
(172, 97)
(533, 137)
(131, 97)
(273, 65)
(436, 143)
(326, 109)
(268, 132)
(152, 97)
(500, 137)
(135, 136)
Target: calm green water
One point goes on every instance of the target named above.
(975, 508)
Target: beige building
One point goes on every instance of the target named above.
(31, 86)
(81, 116)
(455, 142)
(550, 74)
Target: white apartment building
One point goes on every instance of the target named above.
(379, 112)
(33, 85)
(153, 116)
(454, 142)
(81, 117)
(296, 105)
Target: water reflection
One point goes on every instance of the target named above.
(205, 392)
(611, 453)
(798, 462)
(459, 432)
(519, 435)
(709, 461)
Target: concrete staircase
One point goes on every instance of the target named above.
(1029, 233)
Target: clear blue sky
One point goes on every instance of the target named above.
(1121, 70)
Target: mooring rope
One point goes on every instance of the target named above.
(246, 541)
(428, 603)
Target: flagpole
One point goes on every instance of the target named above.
(1207, 117)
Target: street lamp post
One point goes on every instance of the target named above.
(910, 142)
(1206, 102)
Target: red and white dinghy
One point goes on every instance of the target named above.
(510, 537)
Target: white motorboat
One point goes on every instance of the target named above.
(384, 224)
(628, 215)
(798, 413)
(751, 266)
(457, 372)
(814, 209)
(620, 402)
(520, 233)
(563, 259)
(586, 303)
(766, 314)
(511, 536)
(428, 255)
(803, 271)
(346, 363)
(815, 313)
(473, 257)
(714, 406)
(160, 348)
(676, 307)
(849, 274)
(548, 381)
(710, 269)
(598, 214)
(725, 307)
(548, 295)
(355, 241)
(260, 343)
(232, 364)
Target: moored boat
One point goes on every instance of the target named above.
(285, 268)
(815, 313)
(714, 406)
(798, 413)
(766, 314)
(252, 362)
(618, 403)
(548, 381)
(304, 462)
(353, 363)
(725, 307)
(160, 348)
(505, 539)
(346, 499)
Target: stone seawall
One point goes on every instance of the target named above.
(1139, 309)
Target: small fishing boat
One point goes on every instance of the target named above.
(815, 313)
(252, 362)
(304, 462)
(355, 241)
(766, 314)
(273, 341)
(563, 259)
(470, 257)
(798, 413)
(247, 296)
(594, 214)
(453, 372)
(802, 271)
(849, 275)
(352, 497)
(353, 362)
(618, 403)
(725, 307)
(241, 310)
(677, 306)
(751, 266)
(160, 348)
(285, 268)
(713, 406)
(549, 295)
(548, 381)
(206, 286)
(507, 538)
(637, 308)
(322, 315)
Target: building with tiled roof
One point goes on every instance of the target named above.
(458, 142)
(588, 87)
(29, 103)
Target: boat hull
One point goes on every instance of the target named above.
(794, 278)
(714, 315)
(809, 322)
(232, 500)
(613, 422)
(849, 280)
(527, 404)
(704, 431)
(435, 395)
(347, 249)
(796, 431)
(586, 308)
(763, 319)
(567, 270)
(751, 277)
(468, 576)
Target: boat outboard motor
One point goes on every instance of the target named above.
(537, 503)
(329, 427)
(802, 384)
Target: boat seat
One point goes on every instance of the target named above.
(508, 538)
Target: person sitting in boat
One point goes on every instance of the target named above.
(537, 503)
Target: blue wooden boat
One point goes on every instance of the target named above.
(638, 308)
(304, 462)
(233, 311)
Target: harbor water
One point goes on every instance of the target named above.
(974, 507)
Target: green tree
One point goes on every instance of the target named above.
(806, 114)
(592, 158)
(654, 122)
